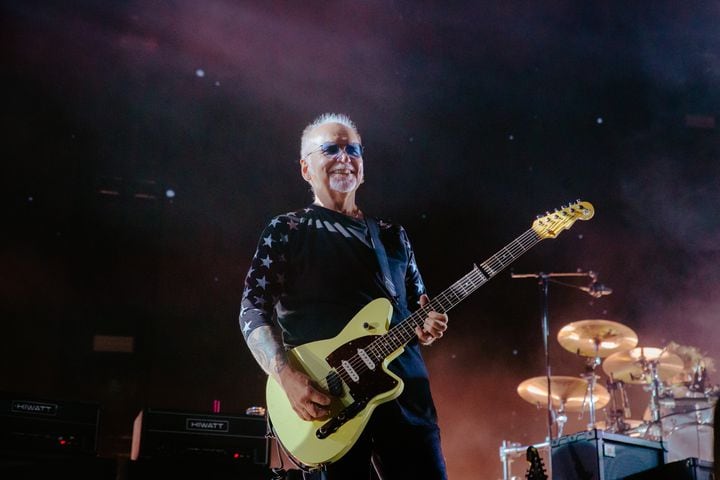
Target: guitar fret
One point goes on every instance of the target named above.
(403, 332)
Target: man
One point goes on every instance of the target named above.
(314, 269)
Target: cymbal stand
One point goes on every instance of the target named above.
(591, 379)
(560, 418)
(650, 372)
(621, 411)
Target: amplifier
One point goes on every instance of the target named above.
(29, 424)
(688, 469)
(598, 455)
(173, 434)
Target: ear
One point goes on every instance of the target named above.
(304, 167)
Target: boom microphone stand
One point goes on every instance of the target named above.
(544, 280)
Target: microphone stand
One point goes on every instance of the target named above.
(543, 282)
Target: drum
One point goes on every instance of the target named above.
(687, 426)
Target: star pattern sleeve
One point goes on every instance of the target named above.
(265, 280)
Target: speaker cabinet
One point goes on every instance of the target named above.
(598, 455)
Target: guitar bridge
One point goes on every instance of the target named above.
(332, 425)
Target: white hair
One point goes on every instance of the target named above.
(340, 118)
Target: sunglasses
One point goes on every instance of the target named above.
(333, 150)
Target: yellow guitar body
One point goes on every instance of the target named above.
(299, 436)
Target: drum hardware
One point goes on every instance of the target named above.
(640, 365)
(544, 280)
(620, 408)
(687, 427)
(651, 372)
(590, 380)
(648, 366)
(569, 394)
(595, 339)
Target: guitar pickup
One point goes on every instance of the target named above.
(332, 425)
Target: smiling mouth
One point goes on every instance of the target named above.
(341, 172)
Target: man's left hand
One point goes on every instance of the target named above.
(434, 326)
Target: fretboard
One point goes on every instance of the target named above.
(402, 333)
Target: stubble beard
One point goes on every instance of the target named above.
(343, 183)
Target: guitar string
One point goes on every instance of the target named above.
(388, 343)
(455, 293)
(475, 278)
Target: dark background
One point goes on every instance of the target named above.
(476, 116)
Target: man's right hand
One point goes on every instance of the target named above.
(307, 401)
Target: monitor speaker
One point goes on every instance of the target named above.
(598, 455)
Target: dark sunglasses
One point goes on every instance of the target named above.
(332, 150)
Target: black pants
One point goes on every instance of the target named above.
(398, 451)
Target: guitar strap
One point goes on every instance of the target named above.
(381, 257)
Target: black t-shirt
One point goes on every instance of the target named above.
(315, 268)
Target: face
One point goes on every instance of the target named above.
(331, 174)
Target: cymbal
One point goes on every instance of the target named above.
(628, 366)
(566, 391)
(596, 338)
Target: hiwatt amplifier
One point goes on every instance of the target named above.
(598, 455)
(688, 469)
(174, 434)
(30, 424)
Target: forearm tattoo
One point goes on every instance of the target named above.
(267, 348)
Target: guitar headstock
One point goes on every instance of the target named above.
(536, 470)
(553, 223)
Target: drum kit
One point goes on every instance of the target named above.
(680, 405)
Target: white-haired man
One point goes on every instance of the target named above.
(313, 270)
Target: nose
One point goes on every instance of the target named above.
(342, 156)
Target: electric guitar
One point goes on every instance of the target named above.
(536, 470)
(352, 367)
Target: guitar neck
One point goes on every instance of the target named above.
(402, 333)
